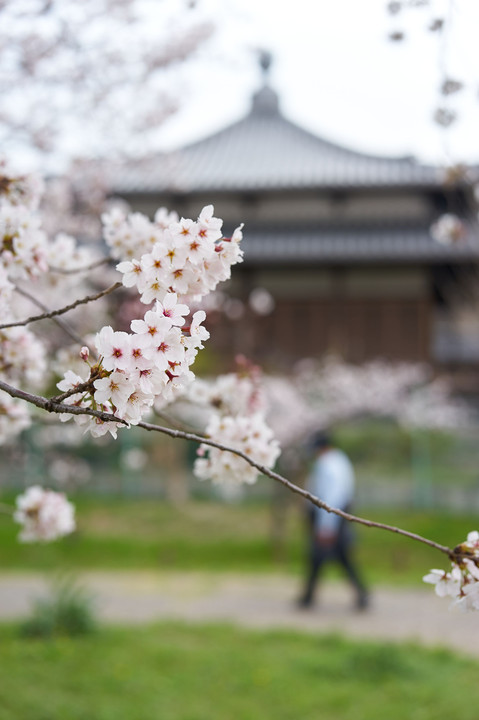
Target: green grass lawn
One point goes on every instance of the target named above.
(176, 672)
(129, 534)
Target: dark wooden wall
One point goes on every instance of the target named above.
(357, 329)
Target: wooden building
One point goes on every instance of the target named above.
(340, 240)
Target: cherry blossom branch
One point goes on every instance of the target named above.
(53, 405)
(67, 308)
(295, 488)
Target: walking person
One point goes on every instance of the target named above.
(331, 539)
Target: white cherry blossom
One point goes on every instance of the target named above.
(116, 388)
(164, 218)
(448, 230)
(133, 272)
(461, 582)
(209, 226)
(446, 583)
(114, 347)
(44, 515)
(172, 310)
(154, 323)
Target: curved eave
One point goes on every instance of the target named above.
(349, 184)
(265, 151)
(354, 246)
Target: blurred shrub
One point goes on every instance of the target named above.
(384, 442)
(67, 611)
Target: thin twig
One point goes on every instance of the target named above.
(86, 268)
(51, 406)
(61, 323)
(71, 333)
(77, 390)
(67, 308)
(175, 422)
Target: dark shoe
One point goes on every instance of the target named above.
(362, 603)
(304, 603)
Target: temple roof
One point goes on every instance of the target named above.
(380, 242)
(265, 151)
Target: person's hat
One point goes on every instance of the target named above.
(321, 439)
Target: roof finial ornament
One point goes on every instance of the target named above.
(265, 100)
(265, 60)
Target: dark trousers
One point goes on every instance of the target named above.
(340, 552)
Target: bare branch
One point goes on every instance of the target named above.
(86, 268)
(71, 333)
(62, 311)
(178, 424)
(50, 405)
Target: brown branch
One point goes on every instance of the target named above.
(77, 390)
(295, 488)
(50, 405)
(67, 308)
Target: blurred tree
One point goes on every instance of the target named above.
(92, 78)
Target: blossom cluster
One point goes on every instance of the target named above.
(320, 394)
(138, 367)
(22, 241)
(44, 515)
(183, 256)
(238, 393)
(26, 256)
(22, 356)
(448, 229)
(26, 251)
(461, 583)
(236, 408)
(177, 260)
(14, 417)
(251, 435)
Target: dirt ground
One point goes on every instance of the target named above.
(258, 601)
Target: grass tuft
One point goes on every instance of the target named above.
(67, 611)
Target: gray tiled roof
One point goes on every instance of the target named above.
(266, 151)
(279, 245)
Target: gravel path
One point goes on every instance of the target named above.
(258, 601)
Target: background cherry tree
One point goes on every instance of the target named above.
(105, 67)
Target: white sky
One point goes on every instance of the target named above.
(337, 74)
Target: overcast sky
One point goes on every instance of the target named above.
(338, 75)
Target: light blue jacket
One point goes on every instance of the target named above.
(332, 480)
